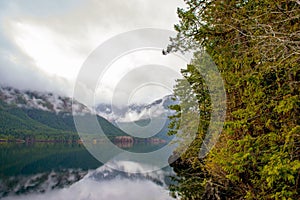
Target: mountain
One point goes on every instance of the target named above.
(158, 128)
(141, 120)
(136, 112)
(44, 116)
(30, 115)
(41, 101)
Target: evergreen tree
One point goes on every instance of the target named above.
(256, 46)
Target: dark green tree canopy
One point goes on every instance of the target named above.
(256, 46)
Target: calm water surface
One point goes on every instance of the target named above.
(68, 171)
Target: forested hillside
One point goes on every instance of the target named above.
(36, 124)
(256, 47)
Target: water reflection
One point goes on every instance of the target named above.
(68, 171)
(27, 159)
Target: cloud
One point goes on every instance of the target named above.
(44, 43)
(139, 77)
(17, 70)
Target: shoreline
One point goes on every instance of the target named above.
(93, 141)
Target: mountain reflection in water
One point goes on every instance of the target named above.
(62, 172)
(103, 183)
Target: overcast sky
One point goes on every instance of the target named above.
(43, 44)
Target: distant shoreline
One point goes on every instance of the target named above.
(118, 141)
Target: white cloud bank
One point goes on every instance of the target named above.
(44, 43)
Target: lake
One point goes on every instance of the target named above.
(69, 171)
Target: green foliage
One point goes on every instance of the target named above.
(255, 45)
(31, 124)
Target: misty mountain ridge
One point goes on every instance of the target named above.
(136, 112)
(41, 101)
(51, 102)
(45, 116)
(40, 113)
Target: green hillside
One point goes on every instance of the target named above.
(155, 128)
(22, 123)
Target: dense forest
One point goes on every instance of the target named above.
(256, 47)
(29, 124)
